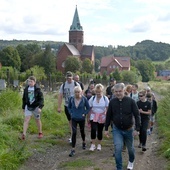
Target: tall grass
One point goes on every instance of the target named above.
(160, 87)
(14, 151)
(163, 118)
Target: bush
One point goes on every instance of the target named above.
(9, 100)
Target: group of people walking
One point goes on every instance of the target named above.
(126, 110)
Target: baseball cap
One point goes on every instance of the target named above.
(69, 74)
(112, 79)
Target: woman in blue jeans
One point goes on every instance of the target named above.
(121, 111)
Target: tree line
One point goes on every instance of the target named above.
(26, 56)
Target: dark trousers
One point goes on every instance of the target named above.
(143, 131)
(74, 130)
(96, 128)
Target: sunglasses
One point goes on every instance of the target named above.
(141, 95)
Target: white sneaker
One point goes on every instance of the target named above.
(130, 166)
(70, 141)
(99, 147)
(92, 147)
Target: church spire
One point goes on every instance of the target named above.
(76, 26)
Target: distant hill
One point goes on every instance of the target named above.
(147, 49)
(14, 43)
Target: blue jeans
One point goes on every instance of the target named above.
(119, 137)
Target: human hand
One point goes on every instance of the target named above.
(39, 110)
(140, 110)
(135, 133)
(59, 110)
(107, 134)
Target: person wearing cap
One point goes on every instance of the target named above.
(109, 93)
(66, 91)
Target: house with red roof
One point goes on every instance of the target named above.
(75, 47)
(110, 63)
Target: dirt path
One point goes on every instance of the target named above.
(56, 157)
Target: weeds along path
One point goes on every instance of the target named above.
(56, 157)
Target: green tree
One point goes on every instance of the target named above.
(97, 65)
(28, 54)
(47, 60)
(87, 66)
(146, 69)
(9, 57)
(104, 76)
(73, 64)
(116, 74)
(129, 76)
(37, 71)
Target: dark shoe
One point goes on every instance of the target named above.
(22, 137)
(72, 153)
(140, 145)
(84, 146)
(40, 135)
(143, 148)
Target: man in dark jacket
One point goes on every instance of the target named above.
(32, 104)
(121, 111)
(109, 89)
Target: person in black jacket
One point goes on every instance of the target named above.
(145, 111)
(32, 104)
(109, 93)
(121, 111)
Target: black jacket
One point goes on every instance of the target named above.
(121, 113)
(154, 107)
(39, 98)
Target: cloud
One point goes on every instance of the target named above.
(138, 26)
(164, 17)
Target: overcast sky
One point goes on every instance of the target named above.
(105, 22)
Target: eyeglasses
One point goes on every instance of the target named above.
(77, 92)
(140, 95)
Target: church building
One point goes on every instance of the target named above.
(76, 46)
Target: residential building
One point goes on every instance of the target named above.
(110, 63)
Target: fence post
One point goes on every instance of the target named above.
(7, 75)
(49, 81)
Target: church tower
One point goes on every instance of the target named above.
(76, 33)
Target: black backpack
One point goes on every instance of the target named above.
(75, 84)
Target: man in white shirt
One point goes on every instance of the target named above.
(66, 91)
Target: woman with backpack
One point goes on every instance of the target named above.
(99, 104)
(78, 107)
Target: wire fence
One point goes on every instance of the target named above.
(51, 83)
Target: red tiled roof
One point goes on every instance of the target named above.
(122, 61)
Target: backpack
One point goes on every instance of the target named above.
(72, 99)
(104, 97)
(75, 84)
